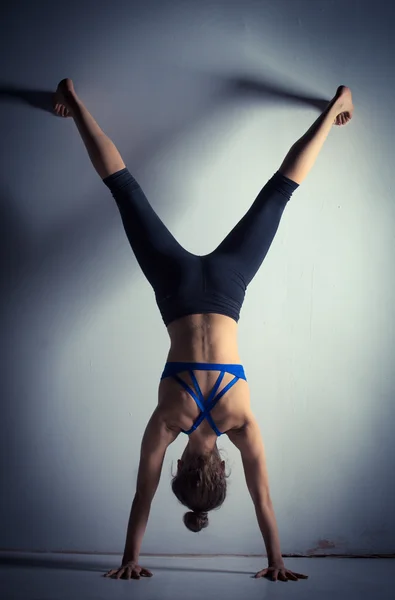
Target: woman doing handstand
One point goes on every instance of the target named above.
(203, 391)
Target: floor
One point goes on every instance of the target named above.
(66, 577)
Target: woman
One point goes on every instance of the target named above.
(200, 298)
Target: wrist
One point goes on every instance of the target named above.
(275, 559)
(128, 558)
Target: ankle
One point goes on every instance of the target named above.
(72, 102)
(71, 97)
(335, 107)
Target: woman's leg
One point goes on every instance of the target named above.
(249, 241)
(156, 250)
(303, 154)
(102, 152)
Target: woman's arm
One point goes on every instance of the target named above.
(138, 520)
(249, 441)
(156, 439)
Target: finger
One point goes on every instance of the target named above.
(146, 573)
(128, 572)
(282, 576)
(300, 576)
(135, 575)
(109, 573)
(119, 574)
(275, 575)
(291, 576)
(261, 573)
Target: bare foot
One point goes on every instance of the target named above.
(62, 98)
(343, 101)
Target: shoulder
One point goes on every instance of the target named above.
(159, 426)
(246, 435)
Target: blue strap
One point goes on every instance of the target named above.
(191, 392)
(173, 368)
(211, 401)
(199, 399)
(208, 406)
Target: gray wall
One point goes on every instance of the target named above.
(203, 100)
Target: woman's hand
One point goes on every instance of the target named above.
(278, 571)
(130, 570)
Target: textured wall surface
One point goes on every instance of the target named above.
(203, 100)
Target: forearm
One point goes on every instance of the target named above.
(268, 526)
(138, 520)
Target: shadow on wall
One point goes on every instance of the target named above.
(62, 258)
(23, 256)
(37, 269)
(232, 86)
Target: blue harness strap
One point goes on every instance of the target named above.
(173, 368)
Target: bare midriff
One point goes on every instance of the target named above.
(208, 338)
